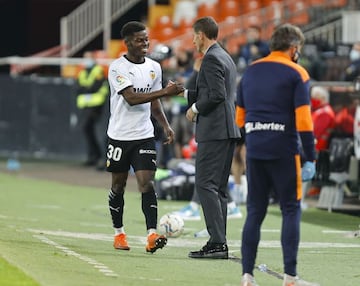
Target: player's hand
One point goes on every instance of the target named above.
(170, 135)
(174, 88)
(191, 115)
(308, 171)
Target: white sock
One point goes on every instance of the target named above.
(119, 230)
(151, 231)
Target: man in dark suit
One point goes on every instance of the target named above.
(212, 107)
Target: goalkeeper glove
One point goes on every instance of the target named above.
(308, 171)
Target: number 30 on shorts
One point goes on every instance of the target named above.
(114, 152)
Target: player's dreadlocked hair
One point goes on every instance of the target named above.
(286, 36)
(132, 27)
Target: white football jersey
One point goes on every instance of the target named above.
(128, 122)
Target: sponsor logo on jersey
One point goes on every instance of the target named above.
(148, 151)
(261, 126)
(152, 74)
(142, 89)
(120, 79)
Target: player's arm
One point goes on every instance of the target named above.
(304, 126)
(158, 113)
(134, 98)
(240, 110)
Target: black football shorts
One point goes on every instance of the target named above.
(140, 154)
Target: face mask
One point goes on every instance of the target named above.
(354, 55)
(315, 103)
(89, 63)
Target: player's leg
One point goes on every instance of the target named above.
(257, 203)
(116, 207)
(288, 187)
(143, 160)
(118, 165)
(239, 190)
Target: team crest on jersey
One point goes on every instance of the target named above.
(120, 79)
(152, 74)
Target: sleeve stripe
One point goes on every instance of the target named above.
(304, 122)
(240, 116)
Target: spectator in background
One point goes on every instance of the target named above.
(323, 117)
(92, 92)
(353, 70)
(239, 190)
(254, 48)
(183, 129)
(344, 119)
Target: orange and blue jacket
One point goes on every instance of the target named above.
(273, 105)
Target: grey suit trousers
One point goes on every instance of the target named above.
(213, 163)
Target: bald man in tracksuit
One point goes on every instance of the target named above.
(273, 104)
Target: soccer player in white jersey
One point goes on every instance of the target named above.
(136, 86)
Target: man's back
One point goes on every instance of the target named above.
(275, 87)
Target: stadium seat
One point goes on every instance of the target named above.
(208, 9)
(230, 8)
(298, 12)
(265, 3)
(314, 3)
(184, 26)
(253, 18)
(163, 22)
(274, 13)
(184, 10)
(337, 3)
(234, 43)
(249, 6)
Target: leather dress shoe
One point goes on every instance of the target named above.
(211, 250)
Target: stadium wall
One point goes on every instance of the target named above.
(39, 118)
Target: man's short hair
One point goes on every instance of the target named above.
(132, 27)
(285, 36)
(208, 26)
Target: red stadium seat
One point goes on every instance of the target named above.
(230, 8)
(208, 9)
(298, 12)
(250, 5)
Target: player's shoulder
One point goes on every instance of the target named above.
(118, 61)
(152, 62)
(280, 59)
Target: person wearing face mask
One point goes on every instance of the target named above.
(353, 70)
(92, 91)
(323, 117)
(273, 105)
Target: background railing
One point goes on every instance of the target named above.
(88, 21)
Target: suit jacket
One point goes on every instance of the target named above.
(214, 96)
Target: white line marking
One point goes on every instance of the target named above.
(139, 241)
(97, 265)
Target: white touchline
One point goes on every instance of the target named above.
(139, 241)
(97, 265)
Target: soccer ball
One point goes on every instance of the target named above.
(171, 225)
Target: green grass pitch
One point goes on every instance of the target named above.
(53, 234)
